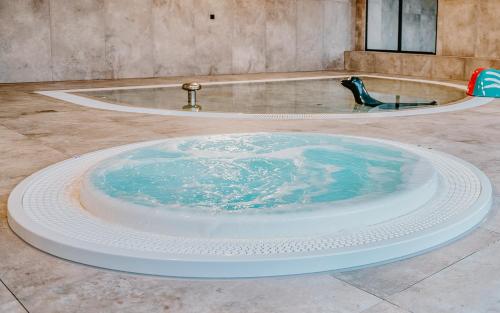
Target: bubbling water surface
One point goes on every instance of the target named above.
(255, 173)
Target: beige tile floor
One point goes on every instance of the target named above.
(36, 131)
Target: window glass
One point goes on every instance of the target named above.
(418, 32)
(401, 25)
(383, 24)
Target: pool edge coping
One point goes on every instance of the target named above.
(96, 258)
(69, 96)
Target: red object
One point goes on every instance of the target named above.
(472, 81)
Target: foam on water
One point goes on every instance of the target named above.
(255, 173)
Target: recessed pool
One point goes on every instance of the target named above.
(249, 205)
(311, 96)
(320, 97)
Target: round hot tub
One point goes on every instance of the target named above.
(248, 205)
(251, 186)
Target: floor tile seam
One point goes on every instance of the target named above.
(390, 302)
(37, 141)
(359, 288)
(382, 298)
(13, 295)
(451, 264)
(491, 230)
(387, 298)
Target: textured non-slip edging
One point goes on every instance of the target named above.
(45, 212)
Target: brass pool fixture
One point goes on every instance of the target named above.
(191, 88)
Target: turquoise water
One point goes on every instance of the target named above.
(262, 173)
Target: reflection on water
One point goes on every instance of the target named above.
(293, 97)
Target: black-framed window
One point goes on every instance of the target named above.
(401, 26)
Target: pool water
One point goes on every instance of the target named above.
(306, 96)
(272, 173)
(249, 205)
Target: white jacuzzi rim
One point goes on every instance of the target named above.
(293, 224)
(465, 103)
(232, 266)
